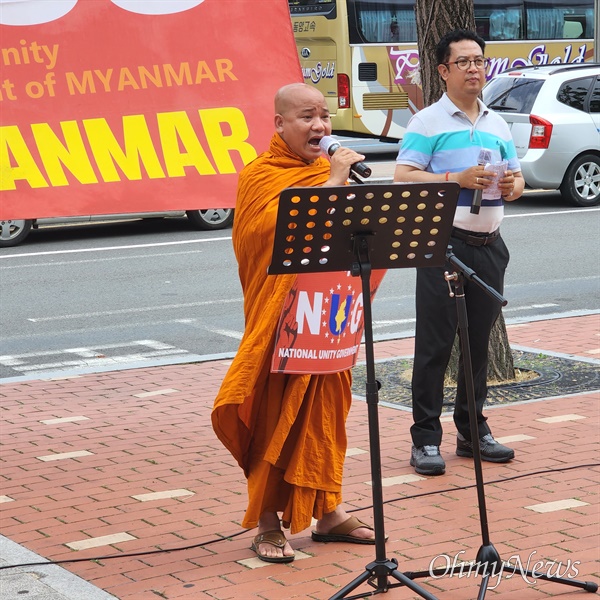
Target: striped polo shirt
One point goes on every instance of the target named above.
(441, 138)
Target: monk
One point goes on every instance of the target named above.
(287, 432)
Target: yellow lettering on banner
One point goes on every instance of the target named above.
(24, 168)
(175, 129)
(138, 147)
(127, 79)
(80, 87)
(65, 153)
(72, 154)
(220, 144)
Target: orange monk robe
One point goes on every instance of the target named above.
(287, 432)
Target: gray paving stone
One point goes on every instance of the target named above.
(43, 582)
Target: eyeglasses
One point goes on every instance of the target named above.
(464, 63)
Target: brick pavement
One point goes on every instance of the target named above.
(126, 461)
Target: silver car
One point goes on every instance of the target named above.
(554, 115)
(13, 232)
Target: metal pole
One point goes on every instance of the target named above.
(596, 30)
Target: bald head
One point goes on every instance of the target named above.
(295, 94)
(302, 119)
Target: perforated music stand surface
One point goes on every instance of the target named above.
(408, 225)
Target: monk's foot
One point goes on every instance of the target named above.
(272, 546)
(339, 526)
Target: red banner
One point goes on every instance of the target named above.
(321, 323)
(113, 106)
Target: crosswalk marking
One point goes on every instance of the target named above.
(102, 355)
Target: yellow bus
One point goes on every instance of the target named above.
(362, 54)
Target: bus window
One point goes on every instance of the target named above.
(558, 19)
(380, 22)
(573, 29)
(499, 19)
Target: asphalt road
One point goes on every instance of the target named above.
(101, 296)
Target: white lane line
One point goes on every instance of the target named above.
(384, 323)
(237, 335)
(124, 311)
(97, 362)
(96, 352)
(130, 257)
(576, 211)
(110, 248)
(528, 307)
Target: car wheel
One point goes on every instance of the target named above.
(213, 218)
(13, 232)
(581, 185)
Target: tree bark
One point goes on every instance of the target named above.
(434, 19)
(501, 366)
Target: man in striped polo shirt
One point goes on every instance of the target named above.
(447, 141)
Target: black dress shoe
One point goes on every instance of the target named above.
(489, 448)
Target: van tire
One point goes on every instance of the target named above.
(581, 184)
(214, 218)
(13, 232)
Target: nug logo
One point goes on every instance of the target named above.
(43, 11)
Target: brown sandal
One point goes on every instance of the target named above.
(276, 538)
(341, 533)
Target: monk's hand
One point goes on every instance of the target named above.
(341, 161)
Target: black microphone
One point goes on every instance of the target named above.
(329, 145)
(485, 156)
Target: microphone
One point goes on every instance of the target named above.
(485, 156)
(329, 145)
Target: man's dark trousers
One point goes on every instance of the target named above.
(437, 321)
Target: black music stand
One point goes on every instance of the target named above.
(357, 229)
(487, 562)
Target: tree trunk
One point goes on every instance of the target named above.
(434, 19)
(500, 366)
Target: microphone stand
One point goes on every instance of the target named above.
(487, 561)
